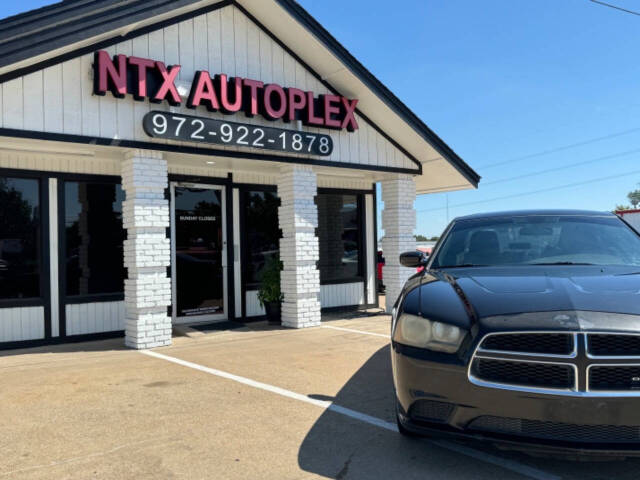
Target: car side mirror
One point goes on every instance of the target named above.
(413, 259)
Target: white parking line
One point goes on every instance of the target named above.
(351, 330)
(514, 466)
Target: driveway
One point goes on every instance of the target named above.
(255, 402)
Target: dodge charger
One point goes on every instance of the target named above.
(523, 329)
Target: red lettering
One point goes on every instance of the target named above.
(223, 89)
(276, 111)
(312, 119)
(252, 104)
(203, 93)
(168, 86)
(349, 109)
(331, 108)
(297, 101)
(109, 77)
(142, 64)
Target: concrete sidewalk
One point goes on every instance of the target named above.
(96, 410)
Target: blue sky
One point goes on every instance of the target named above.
(499, 80)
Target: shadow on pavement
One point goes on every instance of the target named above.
(340, 448)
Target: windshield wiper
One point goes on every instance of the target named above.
(560, 263)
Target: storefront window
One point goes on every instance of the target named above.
(94, 238)
(340, 237)
(20, 238)
(262, 234)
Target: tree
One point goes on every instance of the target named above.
(620, 208)
(634, 198)
(421, 238)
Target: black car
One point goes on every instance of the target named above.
(524, 329)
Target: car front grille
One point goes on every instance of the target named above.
(525, 373)
(574, 363)
(601, 345)
(430, 411)
(614, 378)
(567, 432)
(537, 343)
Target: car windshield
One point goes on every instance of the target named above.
(539, 240)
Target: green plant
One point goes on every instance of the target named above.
(269, 291)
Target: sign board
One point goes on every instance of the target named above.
(153, 80)
(187, 128)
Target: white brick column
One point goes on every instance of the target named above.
(298, 218)
(399, 224)
(147, 290)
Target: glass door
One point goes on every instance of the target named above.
(199, 253)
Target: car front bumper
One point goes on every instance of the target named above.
(438, 398)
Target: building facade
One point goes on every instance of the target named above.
(156, 158)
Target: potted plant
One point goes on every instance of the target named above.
(269, 295)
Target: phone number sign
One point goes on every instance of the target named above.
(186, 128)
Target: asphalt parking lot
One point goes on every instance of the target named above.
(256, 402)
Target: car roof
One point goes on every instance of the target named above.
(528, 213)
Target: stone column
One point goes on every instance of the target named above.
(147, 289)
(298, 218)
(398, 223)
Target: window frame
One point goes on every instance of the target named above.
(62, 243)
(44, 300)
(361, 277)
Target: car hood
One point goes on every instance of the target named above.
(489, 292)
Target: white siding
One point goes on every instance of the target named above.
(18, 324)
(253, 305)
(342, 295)
(59, 163)
(88, 318)
(60, 98)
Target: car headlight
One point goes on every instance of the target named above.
(423, 333)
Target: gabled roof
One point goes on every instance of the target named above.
(52, 28)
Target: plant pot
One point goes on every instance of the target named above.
(273, 310)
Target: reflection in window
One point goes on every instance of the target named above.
(340, 237)
(20, 238)
(262, 233)
(94, 238)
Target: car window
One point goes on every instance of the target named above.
(540, 239)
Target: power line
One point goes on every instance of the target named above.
(615, 7)
(564, 167)
(535, 192)
(561, 148)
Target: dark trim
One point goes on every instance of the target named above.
(343, 191)
(343, 281)
(45, 255)
(60, 340)
(243, 247)
(219, 181)
(99, 298)
(256, 186)
(63, 299)
(99, 28)
(108, 142)
(345, 308)
(21, 302)
(375, 244)
(231, 298)
(304, 18)
(362, 240)
(62, 264)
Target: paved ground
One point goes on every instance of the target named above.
(252, 403)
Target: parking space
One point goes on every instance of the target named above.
(257, 402)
